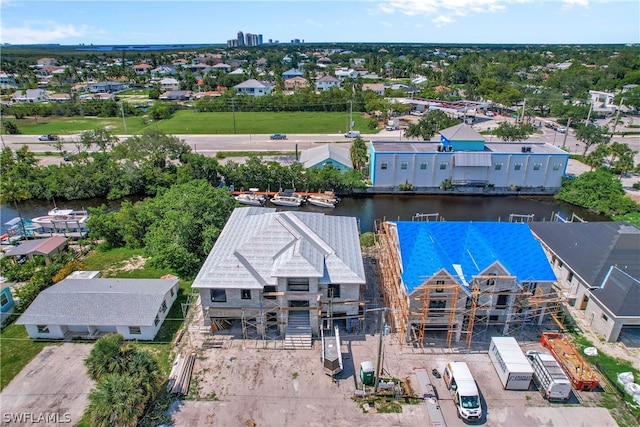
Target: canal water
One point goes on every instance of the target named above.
(369, 209)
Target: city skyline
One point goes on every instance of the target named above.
(357, 21)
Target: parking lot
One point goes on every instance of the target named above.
(51, 390)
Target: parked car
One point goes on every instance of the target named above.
(278, 136)
(352, 134)
(561, 129)
(48, 137)
(489, 113)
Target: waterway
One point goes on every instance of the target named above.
(380, 207)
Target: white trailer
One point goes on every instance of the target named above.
(549, 376)
(510, 363)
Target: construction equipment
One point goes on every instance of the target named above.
(577, 369)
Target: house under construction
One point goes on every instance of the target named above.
(463, 277)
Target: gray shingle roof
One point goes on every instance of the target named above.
(258, 245)
(316, 155)
(461, 132)
(591, 248)
(124, 302)
(620, 293)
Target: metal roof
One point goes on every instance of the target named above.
(315, 156)
(258, 245)
(591, 248)
(38, 246)
(461, 132)
(469, 248)
(124, 302)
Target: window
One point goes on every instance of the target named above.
(172, 292)
(269, 290)
(493, 318)
(245, 294)
(498, 166)
(502, 301)
(467, 305)
(163, 307)
(570, 276)
(403, 165)
(439, 282)
(437, 307)
(557, 166)
(4, 300)
(439, 290)
(517, 166)
(134, 330)
(443, 165)
(298, 284)
(43, 329)
(384, 165)
(156, 320)
(423, 165)
(333, 291)
(537, 166)
(604, 317)
(530, 286)
(218, 295)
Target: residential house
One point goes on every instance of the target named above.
(323, 61)
(45, 62)
(462, 278)
(7, 304)
(142, 69)
(270, 269)
(222, 67)
(30, 96)
(291, 73)
(97, 96)
(164, 70)
(327, 82)
(335, 155)
(598, 270)
(175, 95)
(169, 83)
(59, 97)
(46, 248)
(7, 81)
(253, 87)
(91, 308)
(374, 87)
(106, 87)
(295, 83)
(464, 158)
(343, 73)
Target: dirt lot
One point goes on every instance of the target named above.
(53, 387)
(244, 384)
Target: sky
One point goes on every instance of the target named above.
(126, 22)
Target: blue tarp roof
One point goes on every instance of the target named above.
(428, 247)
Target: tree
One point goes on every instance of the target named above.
(592, 135)
(108, 356)
(432, 122)
(11, 128)
(99, 137)
(116, 401)
(358, 153)
(513, 132)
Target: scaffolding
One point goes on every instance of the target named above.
(441, 292)
(262, 322)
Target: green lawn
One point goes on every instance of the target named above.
(190, 122)
(16, 350)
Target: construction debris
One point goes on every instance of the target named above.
(180, 375)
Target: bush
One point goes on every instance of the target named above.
(11, 128)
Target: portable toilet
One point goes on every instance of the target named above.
(367, 373)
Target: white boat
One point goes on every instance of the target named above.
(287, 198)
(251, 198)
(61, 221)
(323, 200)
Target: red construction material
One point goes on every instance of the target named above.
(577, 369)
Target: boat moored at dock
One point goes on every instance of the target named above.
(287, 198)
(251, 198)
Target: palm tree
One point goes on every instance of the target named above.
(107, 356)
(116, 401)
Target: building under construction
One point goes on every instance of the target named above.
(461, 278)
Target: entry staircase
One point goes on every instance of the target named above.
(298, 332)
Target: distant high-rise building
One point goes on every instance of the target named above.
(259, 38)
(240, 38)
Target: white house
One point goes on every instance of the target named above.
(270, 269)
(253, 87)
(90, 308)
(602, 102)
(374, 87)
(327, 82)
(598, 270)
(7, 81)
(169, 83)
(30, 96)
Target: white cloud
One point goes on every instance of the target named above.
(47, 32)
(568, 4)
(442, 20)
(444, 10)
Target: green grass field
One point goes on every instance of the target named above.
(190, 122)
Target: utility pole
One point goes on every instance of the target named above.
(124, 122)
(381, 325)
(351, 114)
(564, 141)
(589, 113)
(615, 124)
(233, 112)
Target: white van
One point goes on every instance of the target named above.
(352, 134)
(463, 389)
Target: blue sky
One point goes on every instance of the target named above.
(399, 21)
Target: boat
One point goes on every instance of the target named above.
(323, 200)
(331, 353)
(251, 198)
(287, 198)
(61, 221)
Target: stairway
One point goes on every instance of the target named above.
(298, 332)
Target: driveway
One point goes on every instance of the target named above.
(52, 388)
